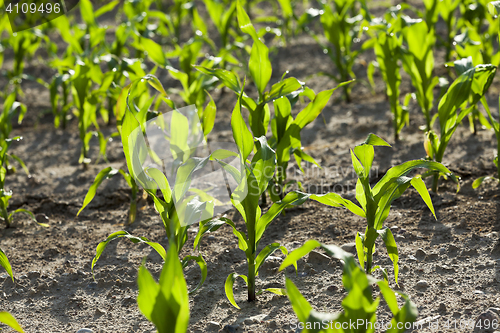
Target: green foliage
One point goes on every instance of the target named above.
(341, 29)
(387, 42)
(376, 201)
(4, 262)
(253, 180)
(496, 128)
(358, 305)
(418, 62)
(107, 173)
(133, 112)
(459, 100)
(166, 303)
(7, 319)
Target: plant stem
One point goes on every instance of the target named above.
(435, 183)
(369, 261)
(251, 278)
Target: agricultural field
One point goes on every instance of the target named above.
(249, 166)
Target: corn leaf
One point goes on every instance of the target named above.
(228, 287)
(4, 262)
(102, 245)
(102, 175)
(7, 319)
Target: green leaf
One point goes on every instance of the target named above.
(7, 319)
(154, 51)
(209, 116)
(300, 305)
(402, 170)
(360, 250)
(228, 78)
(283, 88)
(419, 185)
(102, 245)
(263, 164)
(106, 8)
(203, 268)
(374, 140)
(291, 198)
(4, 262)
(103, 174)
(297, 254)
(260, 66)
(25, 211)
(335, 200)
(479, 181)
(244, 21)
(241, 134)
(392, 249)
(148, 292)
(266, 252)
(228, 287)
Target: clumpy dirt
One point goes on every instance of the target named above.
(450, 267)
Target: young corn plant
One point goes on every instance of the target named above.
(358, 305)
(418, 62)
(284, 94)
(165, 303)
(447, 9)
(459, 100)
(341, 30)
(376, 201)
(494, 8)
(286, 139)
(166, 200)
(253, 180)
(110, 172)
(496, 128)
(387, 42)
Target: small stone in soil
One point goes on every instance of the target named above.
(420, 254)
(213, 325)
(349, 247)
(318, 258)
(84, 330)
(230, 328)
(442, 307)
(422, 284)
(92, 285)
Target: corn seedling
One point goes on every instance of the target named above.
(459, 100)
(10, 107)
(446, 9)
(165, 303)
(387, 42)
(286, 138)
(418, 62)
(171, 204)
(284, 94)
(496, 128)
(376, 201)
(494, 8)
(253, 180)
(107, 173)
(358, 305)
(222, 17)
(9, 320)
(341, 30)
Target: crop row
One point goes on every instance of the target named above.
(101, 80)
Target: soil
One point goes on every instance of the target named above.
(450, 267)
